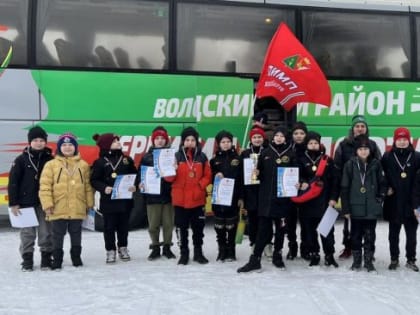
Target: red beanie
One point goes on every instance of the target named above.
(256, 131)
(105, 140)
(402, 133)
(160, 132)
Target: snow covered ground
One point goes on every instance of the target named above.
(163, 287)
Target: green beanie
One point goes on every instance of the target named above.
(358, 119)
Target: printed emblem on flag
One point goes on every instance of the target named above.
(297, 62)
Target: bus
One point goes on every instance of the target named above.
(126, 66)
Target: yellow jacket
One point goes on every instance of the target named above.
(65, 187)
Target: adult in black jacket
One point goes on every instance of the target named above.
(343, 153)
(116, 213)
(227, 164)
(23, 191)
(400, 166)
(272, 209)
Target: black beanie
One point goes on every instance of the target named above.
(362, 141)
(189, 131)
(312, 135)
(300, 125)
(36, 132)
(283, 130)
(223, 134)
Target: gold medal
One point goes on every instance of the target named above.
(362, 190)
(36, 177)
(314, 168)
(73, 182)
(191, 174)
(403, 175)
(114, 175)
(278, 161)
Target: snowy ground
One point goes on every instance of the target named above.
(163, 287)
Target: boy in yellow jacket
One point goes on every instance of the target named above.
(66, 195)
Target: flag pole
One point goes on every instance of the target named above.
(248, 124)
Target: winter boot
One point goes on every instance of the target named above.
(198, 255)
(314, 259)
(221, 255)
(46, 260)
(75, 253)
(184, 257)
(166, 251)
(394, 264)
(293, 247)
(254, 264)
(28, 262)
(111, 256)
(330, 261)
(345, 253)
(123, 254)
(369, 261)
(58, 259)
(357, 260)
(411, 264)
(278, 260)
(155, 253)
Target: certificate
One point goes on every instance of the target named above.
(250, 165)
(26, 218)
(89, 222)
(121, 185)
(164, 162)
(222, 191)
(150, 180)
(327, 221)
(287, 178)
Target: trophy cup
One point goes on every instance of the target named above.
(254, 177)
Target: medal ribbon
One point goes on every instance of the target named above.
(190, 165)
(281, 153)
(112, 165)
(313, 161)
(402, 167)
(33, 164)
(362, 176)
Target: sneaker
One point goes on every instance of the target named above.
(110, 256)
(345, 253)
(412, 265)
(155, 253)
(394, 265)
(268, 251)
(123, 254)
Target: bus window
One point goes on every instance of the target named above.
(235, 37)
(361, 45)
(418, 48)
(107, 34)
(13, 26)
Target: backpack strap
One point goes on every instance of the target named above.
(321, 167)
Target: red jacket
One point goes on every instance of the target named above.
(190, 182)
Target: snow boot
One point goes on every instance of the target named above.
(314, 259)
(357, 260)
(278, 260)
(230, 253)
(198, 256)
(394, 264)
(123, 253)
(155, 253)
(221, 255)
(368, 257)
(411, 264)
(293, 248)
(46, 260)
(58, 259)
(254, 264)
(184, 257)
(330, 261)
(27, 262)
(166, 251)
(111, 256)
(75, 253)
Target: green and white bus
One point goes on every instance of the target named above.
(126, 66)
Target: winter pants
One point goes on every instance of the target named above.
(116, 223)
(363, 232)
(311, 241)
(160, 215)
(184, 218)
(410, 227)
(28, 235)
(225, 225)
(346, 234)
(265, 233)
(252, 226)
(59, 230)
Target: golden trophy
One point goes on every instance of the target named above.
(254, 177)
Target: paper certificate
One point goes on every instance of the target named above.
(287, 178)
(250, 165)
(121, 186)
(89, 222)
(164, 162)
(150, 180)
(327, 221)
(27, 218)
(222, 191)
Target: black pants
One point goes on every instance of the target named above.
(116, 223)
(410, 227)
(265, 234)
(363, 232)
(346, 234)
(184, 218)
(59, 230)
(252, 226)
(311, 237)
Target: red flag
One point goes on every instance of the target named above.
(290, 73)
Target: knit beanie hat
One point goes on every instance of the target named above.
(66, 138)
(257, 131)
(223, 134)
(36, 132)
(301, 126)
(281, 130)
(189, 131)
(160, 131)
(361, 141)
(312, 135)
(402, 133)
(105, 140)
(358, 119)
